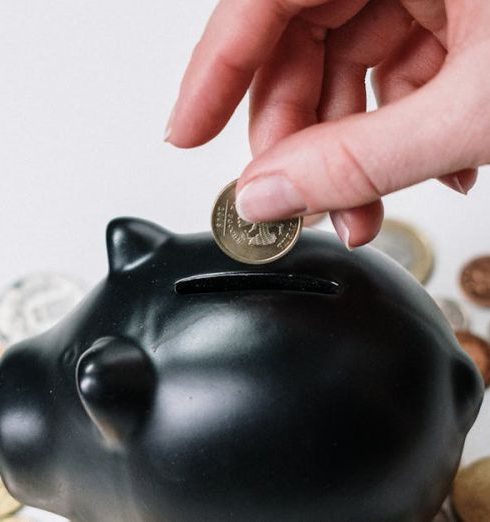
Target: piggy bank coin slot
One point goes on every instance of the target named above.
(256, 282)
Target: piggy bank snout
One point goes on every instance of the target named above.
(115, 381)
(27, 422)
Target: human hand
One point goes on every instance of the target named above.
(315, 147)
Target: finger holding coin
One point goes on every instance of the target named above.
(251, 243)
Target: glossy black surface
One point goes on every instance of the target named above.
(188, 387)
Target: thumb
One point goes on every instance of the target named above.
(352, 162)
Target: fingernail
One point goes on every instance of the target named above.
(341, 228)
(168, 128)
(454, 183)
(269, 197)
(469, 182)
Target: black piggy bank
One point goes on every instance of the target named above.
(188, 387)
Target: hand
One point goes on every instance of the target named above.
(315, 147)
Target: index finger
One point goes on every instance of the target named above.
(237, 40)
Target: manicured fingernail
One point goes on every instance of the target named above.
(269, 197)
(454, 183)
(341, 228)
(168, 128)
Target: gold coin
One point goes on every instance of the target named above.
(475, 280)
(251, 243)
(8, 504)
(479, 350)
(471, 492)
(408, 246)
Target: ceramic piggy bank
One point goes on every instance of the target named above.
(188, 387)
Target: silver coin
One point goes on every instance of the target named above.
(34, 304)
(406, 245)
(454, 313)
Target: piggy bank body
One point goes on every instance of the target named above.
(188, 387)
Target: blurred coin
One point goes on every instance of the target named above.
(442, 516)
(446, 513)
(252, 243)
(453, 312)
(406, 245)
(8, 504)
(475, 280)
(479, 350)
(471, 492)
(35, 303)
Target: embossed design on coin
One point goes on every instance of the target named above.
(475, 280)
(479, 350)
(454, 313)
(8, 504)
(252, 243)
(406, 245)
(34, 304)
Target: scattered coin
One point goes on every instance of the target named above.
(8, 504)
(454, 313)
(471, 492)
(442, 516)
(406, 245)
(475, 280)
(446, 513)
(34, 304)
(251, 243)
(479, 350)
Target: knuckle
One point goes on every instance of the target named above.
(353, 182)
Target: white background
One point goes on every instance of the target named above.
(85, 91)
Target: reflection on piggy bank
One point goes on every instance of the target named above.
(188, 387)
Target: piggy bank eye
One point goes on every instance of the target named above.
(257, 281)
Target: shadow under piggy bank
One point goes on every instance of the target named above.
(188, 387)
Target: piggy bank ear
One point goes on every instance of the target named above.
(131, 242)
(116, 382)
